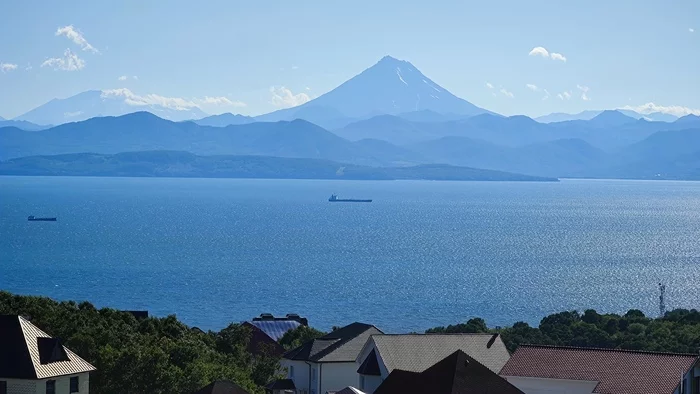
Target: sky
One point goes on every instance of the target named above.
(252, 57)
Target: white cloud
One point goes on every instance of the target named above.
(295, 67)
(676, 110)
(69, 62)
(539, 51)
(284, 98)
(584, 92)
(29, 67)
(135, 77)
(5, 67)
(308, 88)
(123, 78)
(532, 87)
(546, 94)
(221, 101)
(77, 37)
(691, 30)
(564, 96)
(488, 85)
(176, 103)
(507, 93)
(558, 56)
(130, 98)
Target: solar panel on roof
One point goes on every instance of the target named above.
(275, 329)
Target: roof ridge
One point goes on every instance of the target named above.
(608, 350)
(440, 333)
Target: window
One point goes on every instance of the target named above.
(291, 371)
(50, 387)
(74, 384)
(3, 387)
(362, 382)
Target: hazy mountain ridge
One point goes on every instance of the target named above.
(185, 164)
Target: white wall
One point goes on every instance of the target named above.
(16, 386)
(551, 386)
(337, 376)
(301, 373)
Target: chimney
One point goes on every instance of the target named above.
(491, 341)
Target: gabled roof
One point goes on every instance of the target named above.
(275, 329)
(347, 390)
(341, 345)
(222, 387)
(417, 352)
(29, 353)
(617, 371)
(370, 366)
(455, 374)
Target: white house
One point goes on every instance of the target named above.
(383, 354)
(550, 369)
(328, 363)
(31, 362)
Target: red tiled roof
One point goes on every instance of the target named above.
(618, 371)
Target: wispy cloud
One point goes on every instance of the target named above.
(488, 85)
(564, 96)
(539, 51)
(295, 67)
(507, 93)
(77, 37)
(133, 99)
(126, 77)
(542, 51)
(546, 94)
(690, 29)
(558, 56)
(584, 92)
(284, 98)
(5, 67)
(69, 62)
(532, 87)
(221, 101)
(676, 110)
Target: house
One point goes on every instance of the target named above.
(281, 386)
(276, 327)
(382, 354)
(267, 330)
(575, 370)
(455, 374)
(222, 387)
(33, 362)
(347, 390)
(328, 363)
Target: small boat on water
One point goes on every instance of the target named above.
(36, 219)
(334, 198)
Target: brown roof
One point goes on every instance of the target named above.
(29, 353)
(617, 371)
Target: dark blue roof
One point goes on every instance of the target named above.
(275, 329)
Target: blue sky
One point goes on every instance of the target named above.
(257, 56)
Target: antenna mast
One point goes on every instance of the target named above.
(662, 300)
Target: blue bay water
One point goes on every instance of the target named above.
(214, 251)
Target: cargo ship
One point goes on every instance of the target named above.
(334, 198)
(36, 219)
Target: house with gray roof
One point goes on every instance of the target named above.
(328, 363)
(382, 354)
(33, 362)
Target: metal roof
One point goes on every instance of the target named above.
(275, 329)
(21, 359)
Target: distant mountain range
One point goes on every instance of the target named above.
(21, 124)
(100, 103)
(588, 115)
(224, 120)
(185, 164)
(609, 145)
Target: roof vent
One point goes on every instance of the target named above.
(51, 350)
(491, 341)
(267, 316)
